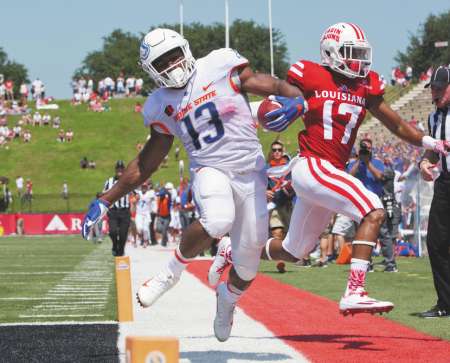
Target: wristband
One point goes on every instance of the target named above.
(428, 142)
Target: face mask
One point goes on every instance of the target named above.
(177, 74)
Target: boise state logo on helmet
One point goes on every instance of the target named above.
(144, 50)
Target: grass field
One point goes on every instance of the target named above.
(56, 279)
(67, 278)
(103, 137)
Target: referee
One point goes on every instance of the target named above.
(438, 238)
(118, 215)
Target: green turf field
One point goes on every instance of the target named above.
(103, 137)
(38, 274)
(56, 279)
(411, 289)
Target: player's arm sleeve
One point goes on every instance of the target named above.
(232, 64)
(296, 74)
(153, 118)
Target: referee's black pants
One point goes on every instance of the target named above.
(119, 222)
(438, 240)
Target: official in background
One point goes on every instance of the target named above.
(438, 237)
(118, 214)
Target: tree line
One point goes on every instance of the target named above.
(120, 51)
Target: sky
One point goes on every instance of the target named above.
(52, 37)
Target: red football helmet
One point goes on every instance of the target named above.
(345, 49)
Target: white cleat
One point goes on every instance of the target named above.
(221, 261)
(224, 314)
(152, 289)
(360, 302)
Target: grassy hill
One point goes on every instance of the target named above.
(103, 137)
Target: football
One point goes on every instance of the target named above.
(266, 106)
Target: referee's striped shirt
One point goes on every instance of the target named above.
(439, 128)
(123, 202)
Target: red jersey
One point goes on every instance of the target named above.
(336, 108)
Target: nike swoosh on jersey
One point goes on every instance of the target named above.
(207, 86)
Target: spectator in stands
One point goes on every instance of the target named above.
(84, 163)
(28, 190)
(109, 84)
(389, 228)
(139, 85)
(138, 107)
(37, 119)
(19, 186)
(27, 136)
(186, 203)
(90, 85)
(23, 90)
(65, 190)
(69, 135)
(408, 73)
(61, 136)
(9, 89)
(2, 91)
(3, 141)
(101, 87)
(56, 122)
(120, 84)
(130, 85)
(279, 192)
(164, 207)
(368, 169)
(37, 89)
(343, 230)
(279, 195)
(326, 244)
(17, 131)
(46, 119)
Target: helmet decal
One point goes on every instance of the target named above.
(144, 50)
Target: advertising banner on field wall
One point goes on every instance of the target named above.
(57, 223)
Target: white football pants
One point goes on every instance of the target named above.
(236, 204)
(143, 225)
(323, 190)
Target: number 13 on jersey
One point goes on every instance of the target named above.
(217, 130)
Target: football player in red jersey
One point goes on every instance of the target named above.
(338, 93)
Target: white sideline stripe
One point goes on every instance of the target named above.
(193, 324)
(58, 316)
(67, 322)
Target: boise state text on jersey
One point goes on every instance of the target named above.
(336, 108)
(210, 115)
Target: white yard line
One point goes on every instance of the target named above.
(72, 295)
(59, 316)
(67, 322)
(187, 312)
